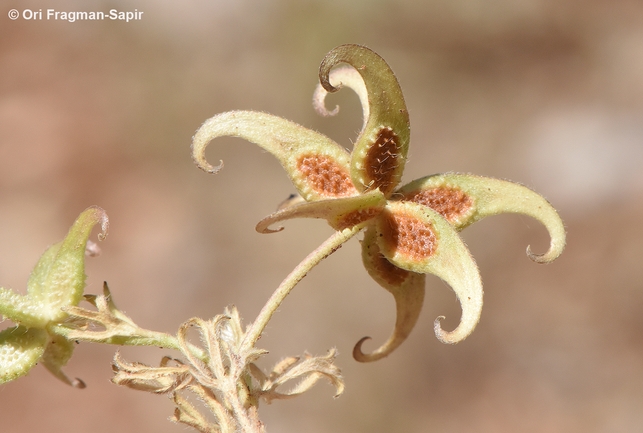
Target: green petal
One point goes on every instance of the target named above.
(317, 166)
(57, 354)
(58, 279)
(418, 239)
(20, 350)
(464, 199)
(380, 151)
(340, 213)
(406, 287)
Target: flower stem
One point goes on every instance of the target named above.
(320, 253)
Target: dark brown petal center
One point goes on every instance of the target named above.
(382, 160)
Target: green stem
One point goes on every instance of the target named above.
(320, 253)
(137, 337)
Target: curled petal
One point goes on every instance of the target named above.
(380, 151)
(20, 349)
(317, 166)
(58, 279)
(340, 213)
(418, 239)
(464, 199)
(343, 76)
(406, 287)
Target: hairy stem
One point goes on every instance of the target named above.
(135, 337)
(320, 253)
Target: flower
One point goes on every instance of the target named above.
(56, 282)
(410, 231)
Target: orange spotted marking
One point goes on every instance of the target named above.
(451, 203)
(325, 176)
(410, 236)
(355, 217)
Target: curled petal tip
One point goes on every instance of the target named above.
(324, 75)
(442, 335)
(361, 356)
(334, 57)
(206, 166)
(104, 223)
(382, 352)
(213, 169)
(264, 229)
(319, 103)
(552, 254)
(538, 258)
(204, 135)
(453, 337)
(343, 76)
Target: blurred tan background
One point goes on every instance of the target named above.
(545, 92)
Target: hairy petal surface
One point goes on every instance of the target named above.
(416, 238)
(464, 199)
(407, 289)
(340, 213)
(20, 350)
(317, 166)
(380, 151)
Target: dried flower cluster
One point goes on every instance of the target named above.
(224, 377)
